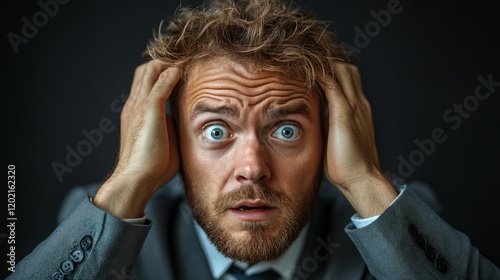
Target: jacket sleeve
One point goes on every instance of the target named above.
(410, 241)
(88, 244)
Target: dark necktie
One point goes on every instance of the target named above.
(240, 274)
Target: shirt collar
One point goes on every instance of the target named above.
(284, 265)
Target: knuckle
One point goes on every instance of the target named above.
(366, 102)
(354, 68)
(353, 104)
(127, 107)
(368, 106)
(140, 69)
(155, 65)
(162, 78)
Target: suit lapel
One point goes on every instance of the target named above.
(328, 252)
(172, 250)
(187, 251)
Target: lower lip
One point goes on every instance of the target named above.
(253, 216)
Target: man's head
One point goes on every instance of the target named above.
(249, 119)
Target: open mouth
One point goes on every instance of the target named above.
(252, 211)
(252, 205)
(249, 208)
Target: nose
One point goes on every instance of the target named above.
(252, 165)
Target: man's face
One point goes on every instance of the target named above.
(251, 149)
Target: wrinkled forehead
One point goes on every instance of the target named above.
(248, 69)
(227, 78)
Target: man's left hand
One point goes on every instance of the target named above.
(351, 159)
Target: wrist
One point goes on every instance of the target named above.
(371, 195)
(124, 197)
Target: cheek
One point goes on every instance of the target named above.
(195, 162)
(200, 167)
(311, 153)
(308, 165)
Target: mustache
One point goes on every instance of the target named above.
(251, 191)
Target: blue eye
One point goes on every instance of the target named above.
(287, 132)
(215, 133)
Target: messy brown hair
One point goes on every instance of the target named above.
(272, 34)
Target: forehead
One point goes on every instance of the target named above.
(249, 69)
(223, 80)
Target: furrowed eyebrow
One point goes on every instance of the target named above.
(203, 107)
(284, 111)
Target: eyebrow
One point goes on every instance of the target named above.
(300, 108)
(270, 112)
(203, 107)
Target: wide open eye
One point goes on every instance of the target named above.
(215, 133)
(287, 132)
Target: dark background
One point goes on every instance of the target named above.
(428, 58)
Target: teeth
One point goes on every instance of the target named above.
(246, 208)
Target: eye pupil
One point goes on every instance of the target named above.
(217, 133)
(287, 132)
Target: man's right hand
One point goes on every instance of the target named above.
(148, 155)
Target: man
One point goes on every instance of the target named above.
(248, 83)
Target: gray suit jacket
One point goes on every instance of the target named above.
(408, 241)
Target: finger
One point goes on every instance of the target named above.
(136, 82)
(350, 81)
(345, 75)
(338, 105)
(165, 84)
(138, 76)
(150, 76)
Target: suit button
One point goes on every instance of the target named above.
(431, 253)
(421, 241)
(442, 265)
(76, 255)
(413, 231)
(67, 267)
(86, 242)
(57, 276)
